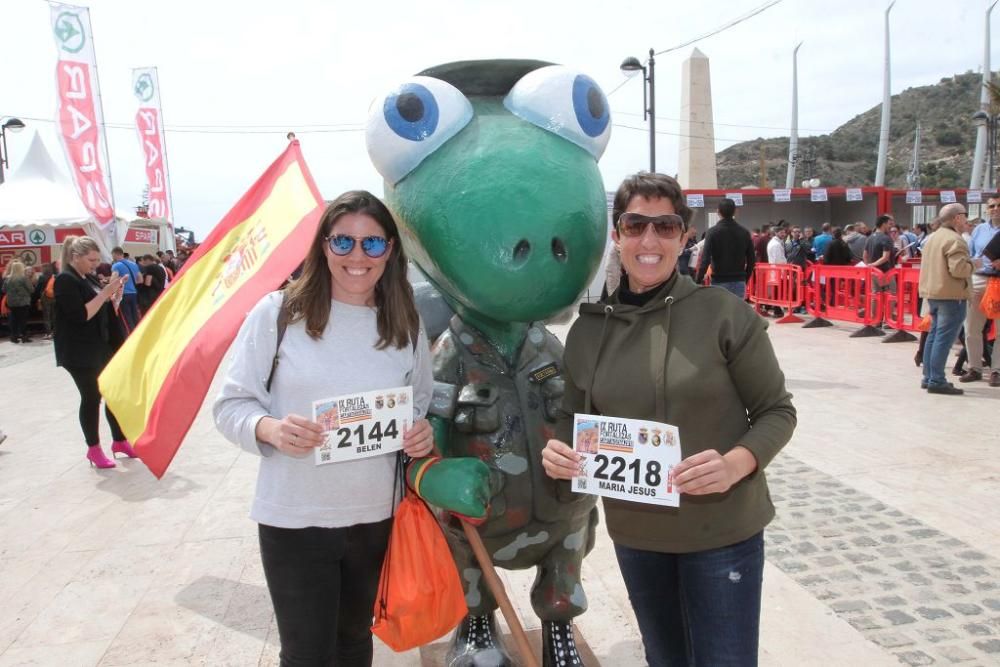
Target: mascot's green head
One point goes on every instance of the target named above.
(491, 170)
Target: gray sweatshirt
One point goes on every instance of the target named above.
(295, 492)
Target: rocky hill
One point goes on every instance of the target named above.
(847, 157)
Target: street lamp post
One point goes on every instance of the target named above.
(980, 119)
(630, 66)
(14, 125)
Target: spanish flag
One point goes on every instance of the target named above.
(157, 381)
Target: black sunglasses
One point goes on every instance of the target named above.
(373, 246)
(667, 226)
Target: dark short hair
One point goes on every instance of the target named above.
(650, 186)
(727, 208)
(882, 219)
(838, 233)
(117, 250)
(826, 226)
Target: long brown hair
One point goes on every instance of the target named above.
(309, 297)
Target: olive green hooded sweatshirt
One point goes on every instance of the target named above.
(698, 358)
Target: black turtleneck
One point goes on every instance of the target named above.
(630, 298)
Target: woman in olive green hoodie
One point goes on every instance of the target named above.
(661, 348)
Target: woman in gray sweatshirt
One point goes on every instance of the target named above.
(352, 327)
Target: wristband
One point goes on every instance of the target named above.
(429, 463)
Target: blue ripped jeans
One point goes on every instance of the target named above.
(698, 609)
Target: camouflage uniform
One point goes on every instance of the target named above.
(504, 416)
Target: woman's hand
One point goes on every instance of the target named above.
(418, 440)
(293, 435)
(711, 472)
(113, 285)
(560, 461)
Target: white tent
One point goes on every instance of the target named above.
(40, 196)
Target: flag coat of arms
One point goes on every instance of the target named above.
(157, 381)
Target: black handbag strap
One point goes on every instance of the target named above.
(282, 325)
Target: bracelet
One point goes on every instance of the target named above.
(428, 464)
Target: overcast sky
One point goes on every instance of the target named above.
(243, 67)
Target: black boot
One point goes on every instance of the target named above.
(477, 643)
(559, 646)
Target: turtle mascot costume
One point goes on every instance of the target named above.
(491, 170)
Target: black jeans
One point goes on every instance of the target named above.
(323, 583)
(18, 321)
(90, 406)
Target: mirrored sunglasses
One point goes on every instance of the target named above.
(373, 246)
(668, 226)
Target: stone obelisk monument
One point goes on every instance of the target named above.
(696, 157)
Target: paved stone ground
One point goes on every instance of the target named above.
(883, 551)
(910, 588)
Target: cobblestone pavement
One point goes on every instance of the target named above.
(920, 594)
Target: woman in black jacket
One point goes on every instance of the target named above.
(87, 333)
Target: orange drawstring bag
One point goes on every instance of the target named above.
(420, 596)
(990, 304)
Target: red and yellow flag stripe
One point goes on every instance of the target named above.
(157, 381)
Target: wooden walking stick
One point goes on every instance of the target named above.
(499, 594)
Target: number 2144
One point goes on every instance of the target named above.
(376, 433)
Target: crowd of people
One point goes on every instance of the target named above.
(728, 253)
(28, 292)
(87, 307)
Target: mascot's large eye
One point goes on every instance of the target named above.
(566, 102)
(411, 122)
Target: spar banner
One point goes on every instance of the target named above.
(157, 381)
(80, 122)
(149, 125)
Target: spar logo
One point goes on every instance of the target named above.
(70, 33)
(144, 88)
(243, 258)
(36, 236)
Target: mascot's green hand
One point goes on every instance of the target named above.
(458, 485)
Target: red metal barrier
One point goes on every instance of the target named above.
(901, 307)
(847, 294)
(778, 285)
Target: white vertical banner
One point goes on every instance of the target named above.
(149, 125)
(80, 121)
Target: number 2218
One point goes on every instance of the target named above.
(652, 477)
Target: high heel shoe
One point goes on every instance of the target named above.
(97, 457)
(123, 447)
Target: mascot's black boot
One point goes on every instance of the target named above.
(559, 646)
(478, 644)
